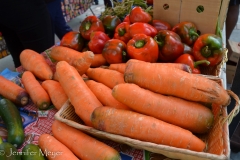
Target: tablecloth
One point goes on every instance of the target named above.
(37, 122)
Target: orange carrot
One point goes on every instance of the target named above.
(145, 128)
(104, 95)
(80, 96)
(56, 92)
(106, 76)
(55, 78)
(98, 61)
(120, 67)
(80, 60)
(171, 81)
(83, 145)
(36, 63)
(36, 92)
(53, 149)
(186, 114)
(13, 92)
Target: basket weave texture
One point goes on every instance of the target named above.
(217, 140)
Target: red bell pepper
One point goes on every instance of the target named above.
(170, 45)
(89, 25)
(144, 28)
(126, 19)
(110, 23)
(187, 32)
(209, 47)
(114, 51)
(97, 41)
(188, 59)
(149, 2)
(138, 14)
(142, 47)
(74, 40)
(161, 25)
(122, 32)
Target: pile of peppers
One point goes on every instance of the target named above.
(139, 36)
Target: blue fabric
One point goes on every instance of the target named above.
(60, 26)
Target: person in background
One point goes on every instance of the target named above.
(60, 27)
(25, 24)
(232, 18)
(109, 3)
(234, 127)
(96, 2)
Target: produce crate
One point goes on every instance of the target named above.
(204, 13)
(217, 139)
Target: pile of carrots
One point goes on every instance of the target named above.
(160, 103)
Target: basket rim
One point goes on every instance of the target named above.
(134, 142)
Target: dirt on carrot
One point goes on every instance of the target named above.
(36, 92)
(186, 114)
(145, 128)
(172, 81)
(13, 92)
(80, 60)
(80, 96)
(36, 63)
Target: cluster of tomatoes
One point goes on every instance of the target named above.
(139, 36)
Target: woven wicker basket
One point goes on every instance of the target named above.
(217, 139)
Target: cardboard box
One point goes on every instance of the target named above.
(204, 13)
(234, 51)
(231, 68)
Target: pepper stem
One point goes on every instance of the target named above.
(121, 31)
(124, 56)
(139, 44)
(160, 44)
(193, 33)
(206, 52)
(88, 25)
(197, 63)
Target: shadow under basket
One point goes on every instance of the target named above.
(217, 139)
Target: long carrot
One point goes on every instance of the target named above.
(36, 92)
(13, 92)
(98, 61)
(171, 81)
(80, 60)
(145, 128)
(36, 63)
(106, 76)
(81, 97)
(56, 92)
(53, 149)
(83, 145)
(186, 114)
(120, 67)
(104, 95)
